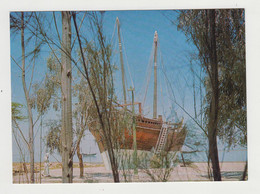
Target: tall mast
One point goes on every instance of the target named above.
(121, 59)
(155, 76)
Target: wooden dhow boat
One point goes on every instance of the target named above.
(151, 134)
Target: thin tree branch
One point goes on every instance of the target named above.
(16, 63)
(54, 18)
(18, 127)
(79, 29)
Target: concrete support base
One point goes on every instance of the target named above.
(141, 154)
(106, 160)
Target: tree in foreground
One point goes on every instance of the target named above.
(36, 98)
(219, 36)
(66, 97)
(98, 72)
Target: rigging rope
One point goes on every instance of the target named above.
(127, 61)
(148, 74)
(111, 42)
(160, 77)
(124, 51)
(169, 88)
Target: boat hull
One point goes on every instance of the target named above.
(147, 134)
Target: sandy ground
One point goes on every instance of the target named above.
(94, 173)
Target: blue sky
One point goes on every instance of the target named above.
(137, 28)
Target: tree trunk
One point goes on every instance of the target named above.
(244, 173)
(66, 132)
(25, 171)
(29, 109)
(81, 165)
(113, 162)
(115, 172)
(104, 91)
(213, 115)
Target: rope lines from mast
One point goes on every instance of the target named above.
(160, 65)
(148, 75)
(131, 79)
(113, 35)
(124, 51)
(114, 44)
(173, 99)
(163, 80)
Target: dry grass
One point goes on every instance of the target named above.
(18, 167)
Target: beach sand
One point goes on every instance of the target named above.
(96, 173)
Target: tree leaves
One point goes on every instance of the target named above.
(16, 111)
(230, 42)
(53, 137)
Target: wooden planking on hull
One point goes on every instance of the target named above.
(147, 134)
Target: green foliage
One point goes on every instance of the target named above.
(42, 96)
(195, 139)
(53, 141)
(159, 166)
(53, 80)
(16, 111)
(230, 42)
